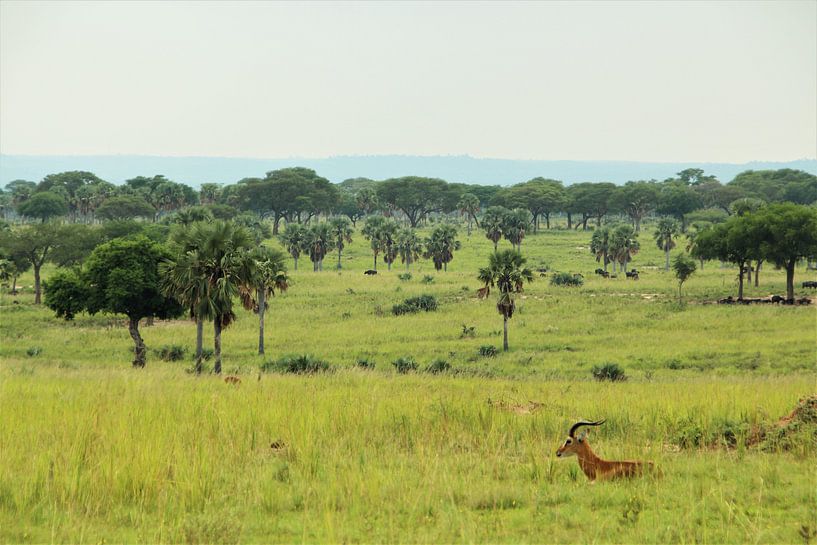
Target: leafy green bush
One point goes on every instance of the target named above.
(303, 364)
(567, 279)
(438, 366)
(427, 279)
(34, 351)
(487, 350)
(405, 364)
(608, 371)
(415, 304)
(170, 352)
(365, 363)
(405, 277)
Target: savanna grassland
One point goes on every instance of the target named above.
(94, 450)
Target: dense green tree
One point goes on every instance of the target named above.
(125, 207)
(666, 231)
(77, 241)
(341, 234)
(678, 200)
(119, 277)
(777, 185)
(209, 193)
(348, 207)
(20, 191)
(591, 200)
(540, 196)
(787, 233)
(440, 246)
(735, 241)
(366, 200)
(44, 206)
(34, 243)
(506, 270)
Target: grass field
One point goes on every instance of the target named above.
(92, 450)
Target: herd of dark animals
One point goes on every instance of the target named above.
(633, 274)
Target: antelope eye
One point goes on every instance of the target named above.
(569, 441)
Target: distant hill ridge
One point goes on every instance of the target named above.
(461, 168)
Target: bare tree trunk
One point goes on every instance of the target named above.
(262, 307)
(790, 280)
(757, 271)
(14, 285)
(505, 333)
(749, 272)
(740, 283)
(199, 343)
(375, 261)
(37, 291)
(217, 345)
(139, 349)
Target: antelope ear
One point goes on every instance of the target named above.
(582, 435)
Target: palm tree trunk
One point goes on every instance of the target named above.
(262, 306)
(666, 253)
(680, 298)
(296, 263)
(505, 333)
(199, 343)
(217, 345)
(339, 252)
(37, 290)
(139, 349)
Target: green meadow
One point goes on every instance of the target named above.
(94, 451)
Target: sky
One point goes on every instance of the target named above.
(639, 81)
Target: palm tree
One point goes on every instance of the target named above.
(213, 268)
(440, 246)
(507, 272)
(318, 243)
(600, 245)
(381, 233)
(692, 238)
(341, 229)
(469, 206)
(624, 245)
(665, 233)
(409, 246)
(293, 240)
(270, 274)
(493, 221)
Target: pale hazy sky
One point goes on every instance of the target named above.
(660, 81)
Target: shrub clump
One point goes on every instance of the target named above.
(303, 364)
(415, 304)
(34, 351)
(170, 352)
(487, 350)
(365, 363)
(438, 366)
(405, 364)
(567, 279)
(405, 277)
(427, 279)
(609, 371)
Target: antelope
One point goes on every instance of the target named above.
(593, 466)
(232, 379)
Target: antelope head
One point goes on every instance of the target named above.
(574, 444)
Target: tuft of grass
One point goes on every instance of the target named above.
(610, 372)
(487, 351)
(170, 352)
(566, 279)
(411, 305)
(437, 366)
(405, 364)
(301, 364)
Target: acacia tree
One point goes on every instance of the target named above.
(506, 270)
(787, 233)
(409, 246)
(35, 244)
(43, 206)
(637, 199)
(468, 206)
(120, 277)
(684, 267)
(341, 233)
(269, 276)
(665, 233)
(734, 241)
(440, 246)
(293, 238)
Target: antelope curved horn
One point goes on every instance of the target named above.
(581, 423)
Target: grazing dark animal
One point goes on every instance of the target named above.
(810, 284)
(728, 301)
(632, 274)
(602, 273)
(543, 274)
(370, 272)
(777, 299)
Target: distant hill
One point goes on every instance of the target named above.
(196, 170)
